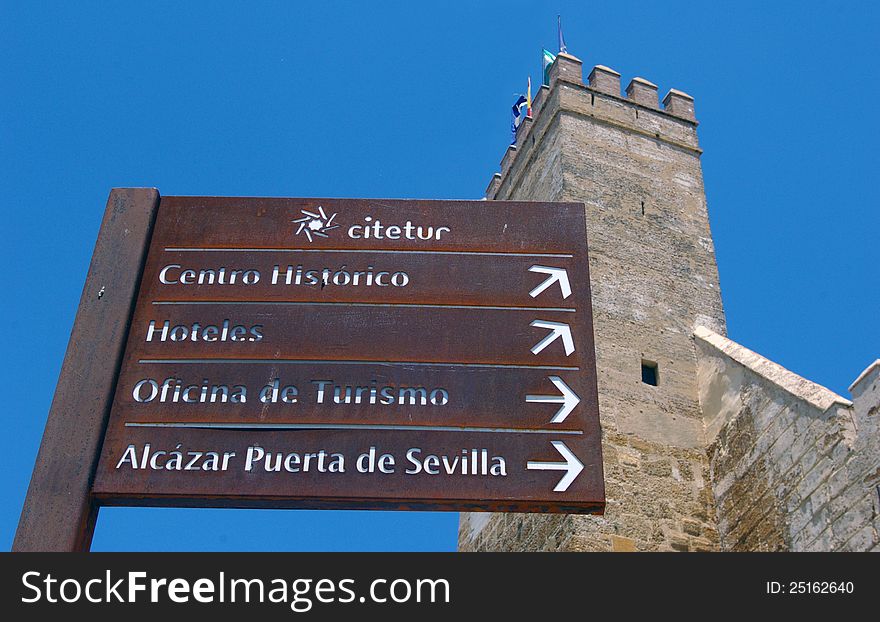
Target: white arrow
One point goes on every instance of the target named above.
(572, 466)
(558, 330)
(568, 399)
(556, 274)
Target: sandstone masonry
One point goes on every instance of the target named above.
(686, 468)
(793, 465)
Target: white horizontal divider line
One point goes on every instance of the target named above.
(193, 249)
(344, 426)
(406, 305)
(319, 362)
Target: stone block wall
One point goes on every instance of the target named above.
(793, 466)
(861, 476)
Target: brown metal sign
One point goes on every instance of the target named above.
(359, 354)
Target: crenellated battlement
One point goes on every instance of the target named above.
(637, 109)
(605, 80)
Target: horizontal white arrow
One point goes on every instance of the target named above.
(556, 274)
(558, 330)
(568, 399)
(572, 466)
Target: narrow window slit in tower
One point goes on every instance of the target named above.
(643, 208)
(649, 373)
(592, 99)
(637, 113)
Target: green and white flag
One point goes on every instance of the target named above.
(548, 59)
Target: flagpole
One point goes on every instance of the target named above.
(562, 47)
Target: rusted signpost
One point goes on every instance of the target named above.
(329, 353)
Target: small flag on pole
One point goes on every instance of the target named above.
(548, 58)
(529, 99)
(562, 47)
(517, 112)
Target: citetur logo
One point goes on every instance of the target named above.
(312, 224)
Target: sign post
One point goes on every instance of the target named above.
(333, 353)
(59, 513)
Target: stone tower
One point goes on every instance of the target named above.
(707, 445)
(636, 166)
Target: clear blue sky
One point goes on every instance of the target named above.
(412, 99)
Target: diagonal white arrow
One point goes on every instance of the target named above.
(572, 466)
(556, 274)
(568, 399)
(558, 330)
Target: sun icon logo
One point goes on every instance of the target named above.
(313, 224)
